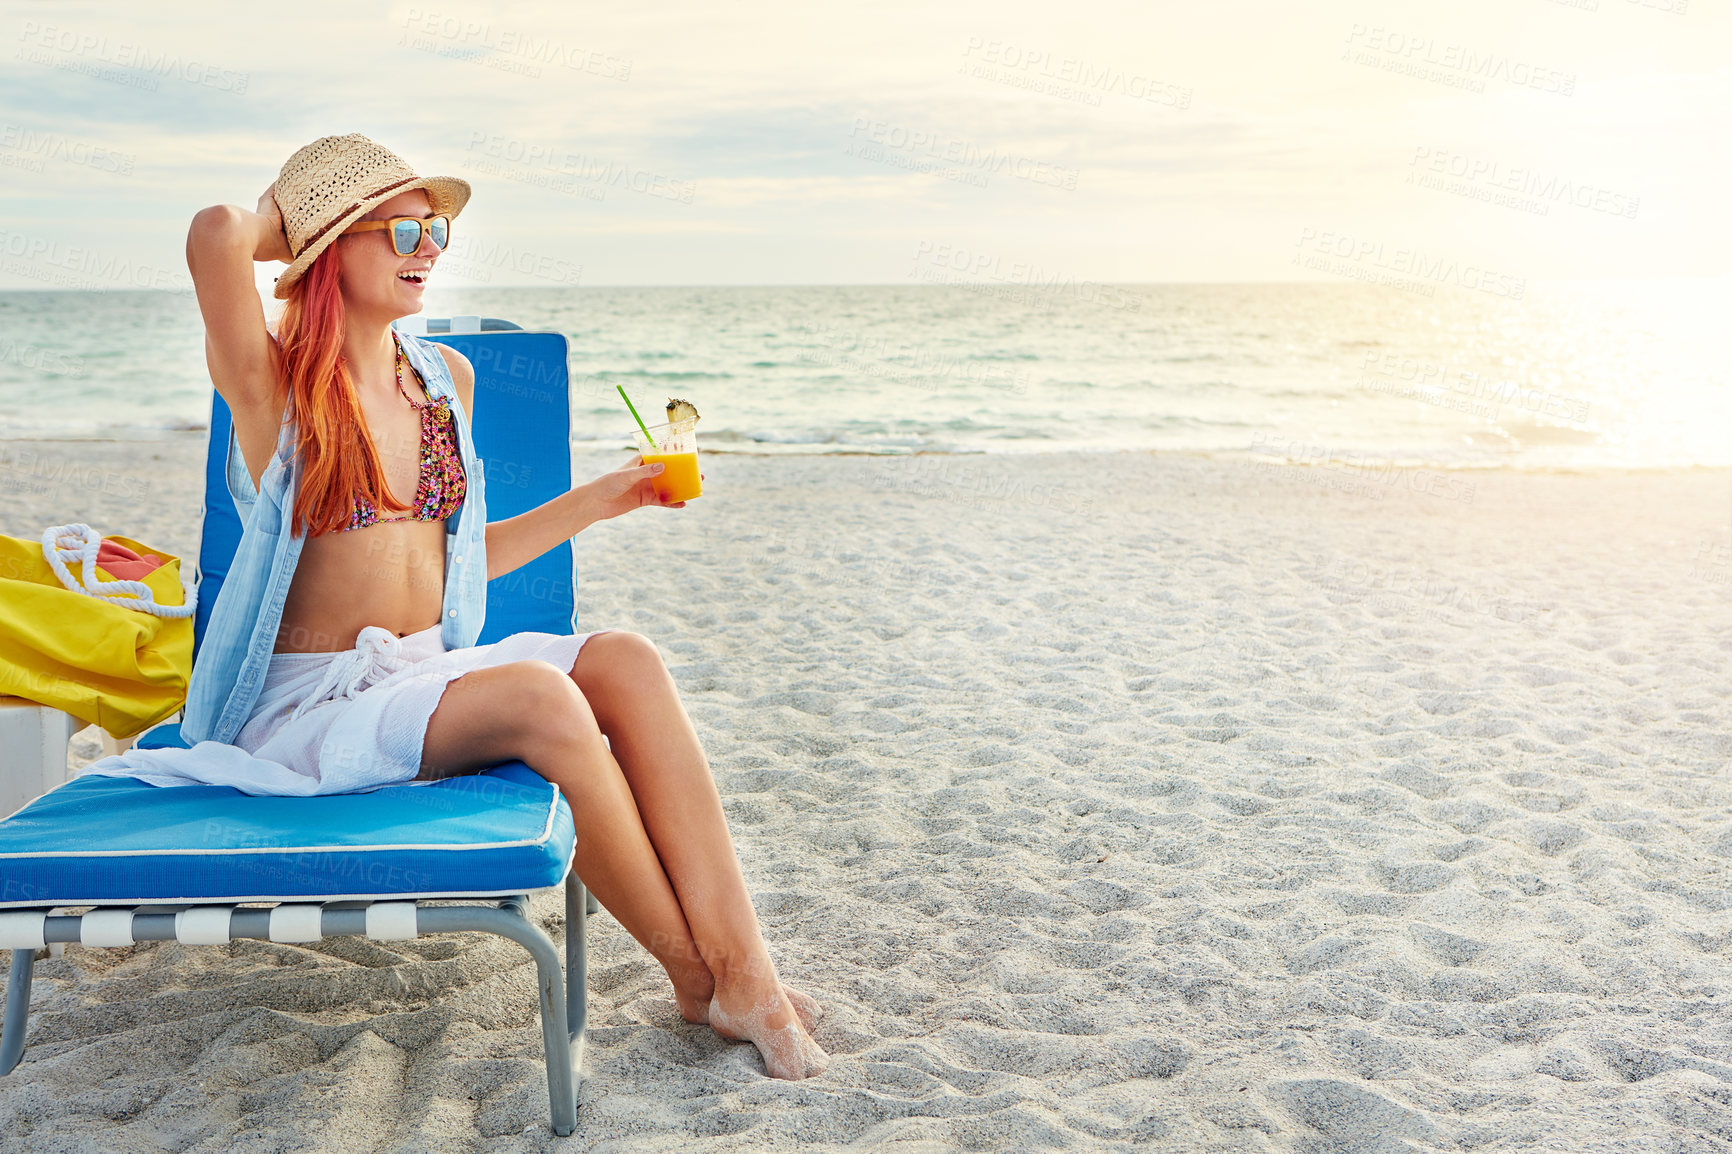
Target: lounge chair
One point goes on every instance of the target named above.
(195, 864)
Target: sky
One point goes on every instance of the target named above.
(1493, 142)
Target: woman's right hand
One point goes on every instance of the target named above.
(275, 243)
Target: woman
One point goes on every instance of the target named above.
(369, 648)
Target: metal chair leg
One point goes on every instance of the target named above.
(511, 920)
(577, 898)
(561, 1071)
(17, 1009)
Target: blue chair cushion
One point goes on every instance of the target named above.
(164, 736)
(116, 841)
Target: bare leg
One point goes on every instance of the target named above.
(637, 706)
(530, 710)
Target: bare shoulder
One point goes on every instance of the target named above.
(462, 376)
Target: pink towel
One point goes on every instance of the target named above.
(122, 564)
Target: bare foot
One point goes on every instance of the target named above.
(693, 990)
(695, 1007)
(771, 1025)
(806, 1007)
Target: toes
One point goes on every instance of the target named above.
(790, 1054)
(817, 1061)
(813, 1060)
(806, 1007)
(788, 1050)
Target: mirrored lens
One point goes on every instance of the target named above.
(440, 230)
(406, 237)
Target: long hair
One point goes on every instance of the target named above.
(337, 456)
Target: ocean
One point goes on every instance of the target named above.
(1629, 376)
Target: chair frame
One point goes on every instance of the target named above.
(564, 998)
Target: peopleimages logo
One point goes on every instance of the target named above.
(478, 260)
(549, 162)
(1456, 64)
(1463, 390)
(1065, 76)
(128, 55)
(1025, 281)
(72, 265)
(932, 149)
(514, 49)
(1521, 181)
(1310, 463)
(1361, 258)
(55, 146)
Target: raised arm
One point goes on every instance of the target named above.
(221, 247)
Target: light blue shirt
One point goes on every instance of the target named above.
(242, 630)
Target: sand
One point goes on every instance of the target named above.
(1106, 803)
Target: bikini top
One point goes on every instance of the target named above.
(443, 484)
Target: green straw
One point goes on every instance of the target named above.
(635, 417)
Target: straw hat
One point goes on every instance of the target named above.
(335, 181)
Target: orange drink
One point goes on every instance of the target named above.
(676, 448)
(679, 480)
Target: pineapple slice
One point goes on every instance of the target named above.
(680, 412)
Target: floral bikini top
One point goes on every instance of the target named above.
(443, 485)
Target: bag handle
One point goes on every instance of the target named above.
(79, 543)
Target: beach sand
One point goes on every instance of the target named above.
(1104, 802)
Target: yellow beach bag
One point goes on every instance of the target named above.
(112, 653)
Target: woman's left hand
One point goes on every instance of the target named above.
(626, 488)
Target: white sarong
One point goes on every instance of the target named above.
(338, 722)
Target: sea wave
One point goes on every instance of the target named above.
(1615, 382)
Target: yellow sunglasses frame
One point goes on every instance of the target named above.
(426, 223)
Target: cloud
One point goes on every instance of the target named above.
(1147, 143)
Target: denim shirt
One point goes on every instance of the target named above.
(242, 631)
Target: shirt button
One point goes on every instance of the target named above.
(451, 613)
(458, 559)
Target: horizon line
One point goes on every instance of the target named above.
(1342, 283)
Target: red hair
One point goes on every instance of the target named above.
(338, 459)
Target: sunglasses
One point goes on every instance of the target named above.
(406, 231)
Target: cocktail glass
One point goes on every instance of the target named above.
(676, 447)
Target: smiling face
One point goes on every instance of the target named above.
(373, 275)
